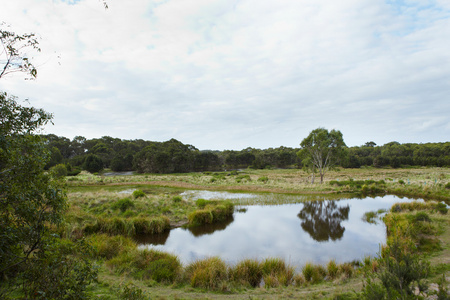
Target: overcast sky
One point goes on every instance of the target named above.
(231, 74)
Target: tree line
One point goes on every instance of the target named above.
(173, 156)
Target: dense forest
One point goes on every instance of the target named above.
(175, 157)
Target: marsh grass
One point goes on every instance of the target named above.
(212, 212)
(247, 273)
(210, 273)
(276, 272)
(128, 227)
(107, 247)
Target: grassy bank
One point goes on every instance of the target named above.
(429, 183)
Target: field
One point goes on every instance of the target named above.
(97, 211)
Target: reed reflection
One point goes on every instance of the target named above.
(322, 219)
(210, 228)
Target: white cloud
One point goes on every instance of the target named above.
(232, 74)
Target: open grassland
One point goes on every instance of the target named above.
(109, 211)
(430, 183)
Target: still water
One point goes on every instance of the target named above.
(312, 231)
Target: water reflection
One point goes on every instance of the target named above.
(210, 228)
(152, 239)
(329, 230)
(322, 220)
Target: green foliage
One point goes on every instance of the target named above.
(93, 163)
(138, 194)
(201, 203)
(59, 170)
(263, 179)
(130, 291)
(177, 199)
(401, 269)
(421, 216)
(31, 200)
(61, 270)
(15, 48)
(123, 204)
(322, 150)
(442, 208)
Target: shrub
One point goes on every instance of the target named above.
(123, 204)
(93, 163)
(138, 194)
(61, 270)
(59, 170)
(129, 291)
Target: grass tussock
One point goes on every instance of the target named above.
(247, 273)
(128, 227)
(210, 273)
(211, 212)
(147, 264)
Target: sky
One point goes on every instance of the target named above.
(232, 74)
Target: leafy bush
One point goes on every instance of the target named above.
(61, 270)
(59, 170)
(129, 291)
(138, 194)
(93, 163)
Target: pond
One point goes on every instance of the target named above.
(311, 231)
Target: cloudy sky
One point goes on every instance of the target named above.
(231, 74)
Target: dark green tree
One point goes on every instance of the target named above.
(93, 163)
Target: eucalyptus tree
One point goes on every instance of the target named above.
(321, 150)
